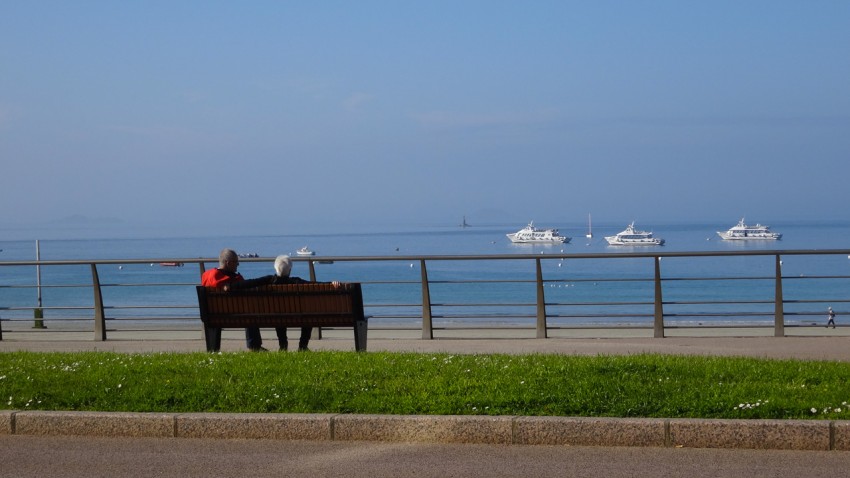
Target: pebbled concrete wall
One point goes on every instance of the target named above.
(564, 431)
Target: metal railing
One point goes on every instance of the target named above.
(636, 298)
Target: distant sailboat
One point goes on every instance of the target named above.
(589, 228)
(464, 223)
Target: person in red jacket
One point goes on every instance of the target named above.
(228, 263)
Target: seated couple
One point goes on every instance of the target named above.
(225, 276)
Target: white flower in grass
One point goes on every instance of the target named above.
(814, 410)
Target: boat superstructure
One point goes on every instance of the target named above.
(743, 232)
(532, 234)
(633, 237)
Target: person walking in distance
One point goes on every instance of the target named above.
(831, 315)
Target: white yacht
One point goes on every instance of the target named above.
(743, 232)
(305, 251)
(632, 237)
(531, 234)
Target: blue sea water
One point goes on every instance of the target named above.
(392, 290)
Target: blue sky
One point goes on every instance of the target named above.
(290, 117)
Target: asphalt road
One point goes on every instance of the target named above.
(83, 457)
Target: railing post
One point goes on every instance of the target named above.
(99, 316)
(312, 266)
(658, 326)
(779, 310)
(541, 304)
(427, 326)
(38, 312)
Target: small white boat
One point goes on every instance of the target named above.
(533, 235)
(305, 251)
(589, 234)
(632, 237)
(743, 232)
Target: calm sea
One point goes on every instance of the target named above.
(577, 283)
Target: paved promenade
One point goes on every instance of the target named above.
(809, 344)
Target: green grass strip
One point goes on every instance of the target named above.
(430, 384)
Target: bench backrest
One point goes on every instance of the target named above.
(316, 305)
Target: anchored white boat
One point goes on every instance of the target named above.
(531, 234)
(632, 237)
(743, 232)
(304, 251)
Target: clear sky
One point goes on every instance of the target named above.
(290, 117)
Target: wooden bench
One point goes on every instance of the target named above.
(293, 305)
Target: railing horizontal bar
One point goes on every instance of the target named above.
(152, 284)
(716, 302)
(598, 316)
(490, 304)
(596, 303)
(814, 277)
(48, 308)
(816, 301)
(483, 316)
(483, 257)
(698, 279)
(723, 314)
(121, 307)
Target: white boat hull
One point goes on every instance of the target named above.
(553, 240)
(615, 241)
(532, 235)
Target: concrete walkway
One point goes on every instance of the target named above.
(810, 344)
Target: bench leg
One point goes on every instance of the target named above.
(360, 329)
(213, 338)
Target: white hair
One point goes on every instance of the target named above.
(282, 265)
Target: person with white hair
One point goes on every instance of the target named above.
(282, 267)
(831, 316)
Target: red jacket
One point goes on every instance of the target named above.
(219, 277)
